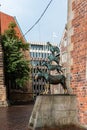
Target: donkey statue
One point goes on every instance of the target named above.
(52, 79)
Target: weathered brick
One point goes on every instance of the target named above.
(79, 56)
(5, 20)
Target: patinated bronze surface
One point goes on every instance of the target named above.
(53, 79)
(52, 67)
(54, 58)
(54, 49)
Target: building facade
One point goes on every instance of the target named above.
(77, 54)
(63, 51)
(64, 58)
(39, 53)
(76, 60)
(5, 19)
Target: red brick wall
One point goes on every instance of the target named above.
(79, 54)
(5, 20)
(2, 86)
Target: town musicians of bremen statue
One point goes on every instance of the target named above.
(52, 79)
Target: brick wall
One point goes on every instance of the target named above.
(5, 19)
(79, 56)
(2, 86)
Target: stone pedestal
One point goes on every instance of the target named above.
(53, 110)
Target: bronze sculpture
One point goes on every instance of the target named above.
(54, 49)
(54, 58)
(52, 67)
(53, 79)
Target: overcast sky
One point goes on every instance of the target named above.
(51, 26)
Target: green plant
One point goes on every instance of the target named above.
(15, 65)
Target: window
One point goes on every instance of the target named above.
(65, 42)
(36, 54)
(31, 54)
(34, 87)
(64, 57)
(42, 55)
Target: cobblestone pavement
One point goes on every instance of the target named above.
(15, 117)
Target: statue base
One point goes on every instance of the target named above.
(53, 110)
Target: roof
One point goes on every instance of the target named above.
(5, 20)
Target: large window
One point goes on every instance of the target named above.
(37, 47)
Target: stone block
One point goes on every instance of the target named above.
(54, 110)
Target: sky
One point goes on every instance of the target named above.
(50, 27)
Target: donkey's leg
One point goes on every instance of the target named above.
(64, 86)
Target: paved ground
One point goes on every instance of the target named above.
(15, 117)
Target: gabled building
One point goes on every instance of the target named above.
(5, 20)
(64, 57)
(14, 94)
(63, 51)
